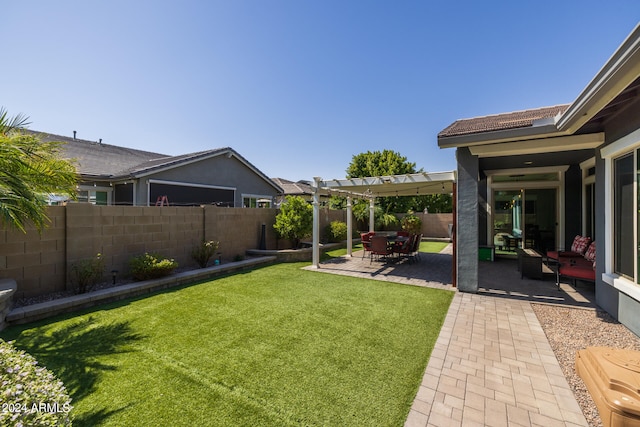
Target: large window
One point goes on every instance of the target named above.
(623, 215)
(620, 259)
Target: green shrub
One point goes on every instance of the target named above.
(202, 253)
(30, 395)
(86, 273)
(412, 224)
(295, 219)
(151, 266)
(337, 231)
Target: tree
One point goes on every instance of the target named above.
(384, 163)
(379, 163)
(381, 219)
(434, 203)
(29, 170)
(295, 219)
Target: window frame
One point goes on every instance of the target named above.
(618, 149)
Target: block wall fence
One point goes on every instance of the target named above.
(40, 262)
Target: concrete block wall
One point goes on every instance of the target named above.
(239, 229)
(36, 261)
(436, 224)
(119, 233)
(41, 263)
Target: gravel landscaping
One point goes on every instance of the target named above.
(572, 329)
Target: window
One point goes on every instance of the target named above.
(94, 197)
(620, 259)
(253, 201)
(589, 198)
(623, 215)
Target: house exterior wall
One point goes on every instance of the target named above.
(216, 171)
(623, 307)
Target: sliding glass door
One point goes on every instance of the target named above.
(525, 218)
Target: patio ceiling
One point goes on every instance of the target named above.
(391, 185)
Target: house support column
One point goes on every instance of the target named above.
(349, 228)
(316, 222)
(372, 222)
(467, 231)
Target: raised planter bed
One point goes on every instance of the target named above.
(47, 309)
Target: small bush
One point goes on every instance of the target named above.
(30, 395)
(86, 273)
(202, 253)
(412, 224)
(151, 266)
(337, 231)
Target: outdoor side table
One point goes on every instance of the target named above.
(529, 263)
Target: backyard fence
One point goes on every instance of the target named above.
(40, 262)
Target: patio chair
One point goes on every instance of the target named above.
(416, 247)
(406, 248)
(578, 248)
(380, 247)
(366, 242)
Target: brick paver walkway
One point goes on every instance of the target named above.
(492, 364)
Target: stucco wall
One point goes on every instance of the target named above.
(618, 304)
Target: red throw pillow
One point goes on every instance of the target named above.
(580, 244)
(590, 254)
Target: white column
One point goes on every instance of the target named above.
(372, 221)
(349, 227)
(316, 221)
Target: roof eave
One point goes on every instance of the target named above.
(620, 70)
(492, 137)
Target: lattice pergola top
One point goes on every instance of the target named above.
(393, 185)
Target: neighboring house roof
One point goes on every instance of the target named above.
(293, 188)
(503, 121)
(98, 159)
(112, 162)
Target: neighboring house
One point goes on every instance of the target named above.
(546, 175)
(300, 188)
(113, 175)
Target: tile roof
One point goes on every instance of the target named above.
(290, 187)
(504, 121)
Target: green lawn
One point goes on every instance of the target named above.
(432, 246)
(273, 346)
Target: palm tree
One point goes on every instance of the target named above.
(29, 170)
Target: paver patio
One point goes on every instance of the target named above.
(492, 364)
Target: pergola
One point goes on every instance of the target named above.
(372, 187)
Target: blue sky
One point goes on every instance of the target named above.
(297, 87)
